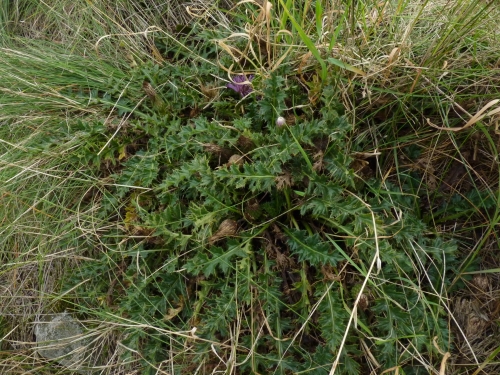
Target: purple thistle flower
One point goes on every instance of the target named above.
(242, 88)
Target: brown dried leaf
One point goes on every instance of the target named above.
(318, 164)
(283, 180)
(227, 228)
(329, 273)
(481, 282)
(364, 301)
(245, 143)
(212, 148)
(149, 90)
(153, 96)
(283, 262)
(278, 233)
(235, 159)
(172, 313)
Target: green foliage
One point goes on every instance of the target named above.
(219, 260)
(122, 146)
(273, 101)
(273, 266)
(164, 155)
(311, 248)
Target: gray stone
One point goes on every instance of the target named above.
(61, 339)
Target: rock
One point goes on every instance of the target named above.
(61, 339)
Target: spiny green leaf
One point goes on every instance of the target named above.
(311, 248)
(218, 258)
(140, 170)
(332, 318)
(257, 176)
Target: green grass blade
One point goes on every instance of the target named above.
(308, 42)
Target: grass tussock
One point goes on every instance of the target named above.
(256, 187)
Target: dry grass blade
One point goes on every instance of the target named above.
(476, 118)
(376, 263)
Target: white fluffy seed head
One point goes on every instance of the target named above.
(280, 121)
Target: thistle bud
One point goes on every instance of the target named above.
(280, 121)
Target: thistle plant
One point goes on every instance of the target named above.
(260, 235)
(256, 226)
